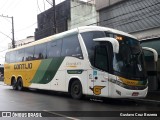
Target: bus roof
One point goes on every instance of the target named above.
(74, 31)
(99, 28)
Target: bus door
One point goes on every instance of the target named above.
(100, 74)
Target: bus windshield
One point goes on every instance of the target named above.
(128, 63)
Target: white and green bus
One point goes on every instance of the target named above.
(88, 60)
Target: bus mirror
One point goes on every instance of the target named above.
(153, 51)
(113, 41)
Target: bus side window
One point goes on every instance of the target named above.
(20, 55)
(40, 51)
(13, 55)
(7, 57)
(71, 47)
(101, 57)
(29, 53)
(54, 48)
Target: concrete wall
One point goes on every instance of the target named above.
(147, 34)
(82, 14)
(100, 4)
(138, 17)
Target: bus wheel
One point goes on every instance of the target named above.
(14, 84)
(76, 90)
(20, 84)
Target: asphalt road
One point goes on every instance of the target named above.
(57, 105)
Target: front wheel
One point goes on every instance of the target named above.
(76, 90)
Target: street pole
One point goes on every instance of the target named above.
(54, 18)
(13, 40)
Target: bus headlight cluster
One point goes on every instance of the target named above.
(119, 83)
(116, 82)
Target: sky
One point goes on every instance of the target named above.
(24, 13)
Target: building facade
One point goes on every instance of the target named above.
(82, 14)
(137, 17)
(140, 18)
(46, 20)
(69, 14)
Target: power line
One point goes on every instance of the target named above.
(50, 2)
(44, 5)
(137, 17)
(38, 6)
(26, 27)
(13, 41)
(5, 35)
(2, 6)
(3, 50)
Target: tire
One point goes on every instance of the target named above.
(20, 84)
(76, 90)
(14, 84)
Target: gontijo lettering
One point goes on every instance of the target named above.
(23, 66)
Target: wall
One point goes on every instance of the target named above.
(46, 20)
(82, 14)
(100, 4)
(138, 17)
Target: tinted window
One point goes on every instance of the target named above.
(13, 56)
(29, 53)
(71, 47)
(101, 57)
(154, 43)
(90, 44)
(7, 58)
(54, 48)
(20, 55)
(40, 51)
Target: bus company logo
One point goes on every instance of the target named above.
(97, 89)
(23, 66)
(6, 114)
(75, 64)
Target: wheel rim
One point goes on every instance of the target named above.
(19, 85)
(14, 84)
(76, 89)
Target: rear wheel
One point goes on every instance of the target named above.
(76, 90)
(20, 84)
(14, 84)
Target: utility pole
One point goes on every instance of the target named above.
(13, 40)
(54, 17)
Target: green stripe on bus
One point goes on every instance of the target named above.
(47, 70)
